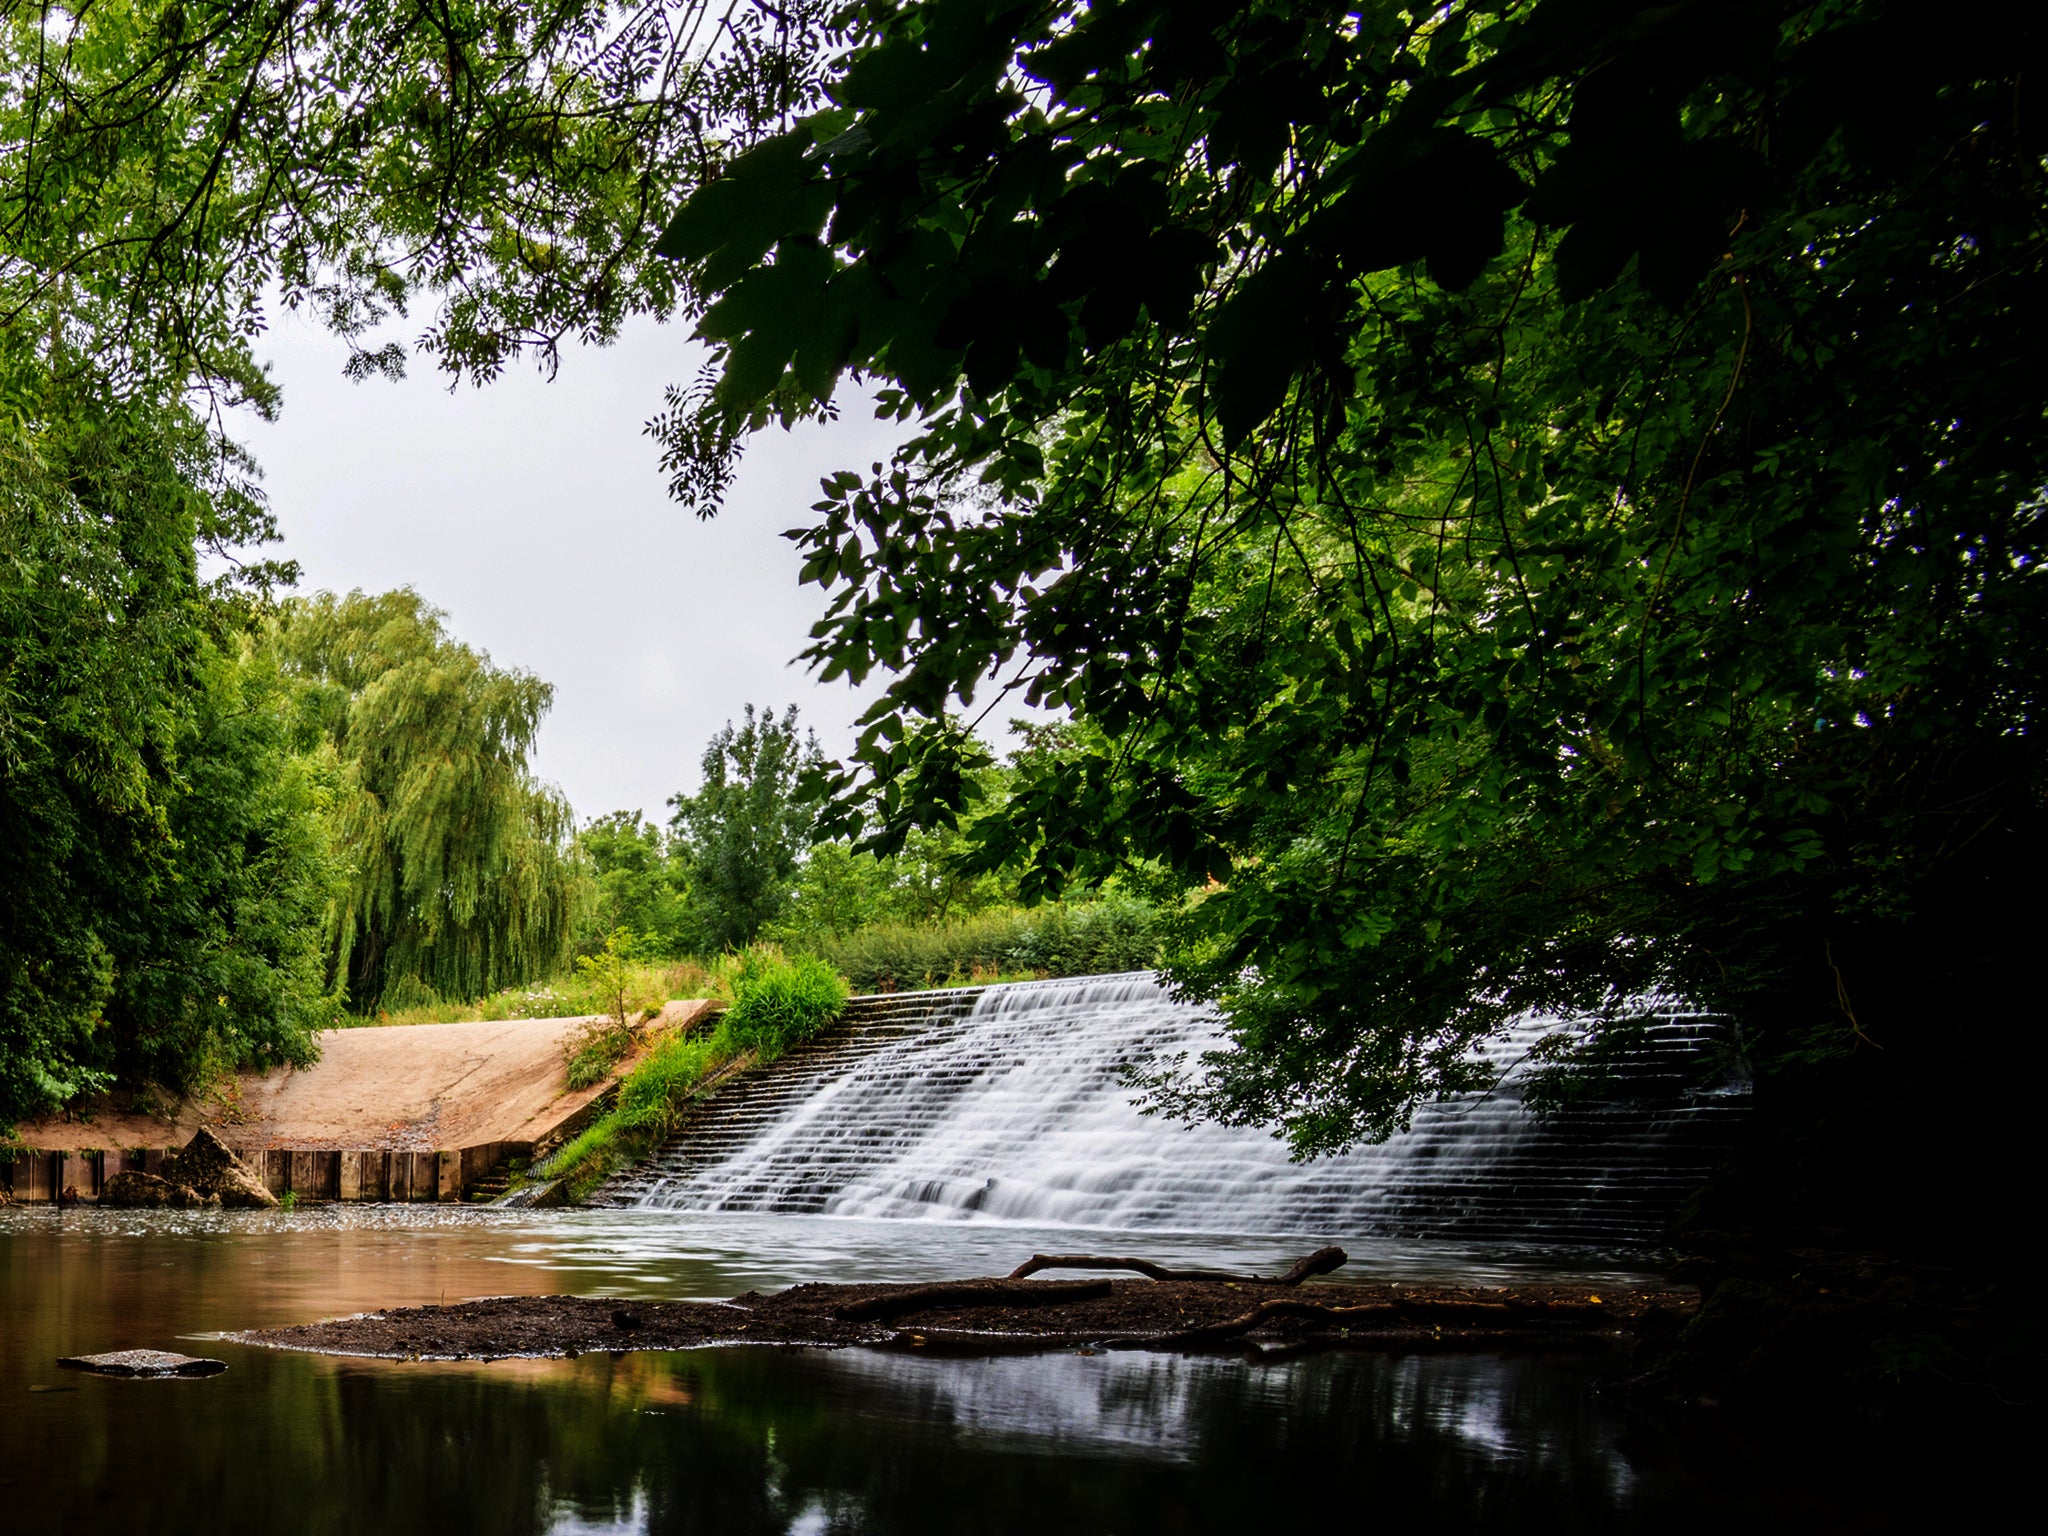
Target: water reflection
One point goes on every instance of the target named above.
(741, 1441)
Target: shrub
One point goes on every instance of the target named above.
(609, 973)
(652, 1097)
(651, 1101)
(778, 1002)
(596, 1048)
(1115, 933)
(889, 956)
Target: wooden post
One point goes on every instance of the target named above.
(316, 1175)
(77, 1172)
(348, 1176)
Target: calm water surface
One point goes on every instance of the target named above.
(810, 1441)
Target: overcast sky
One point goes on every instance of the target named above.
(534, 512)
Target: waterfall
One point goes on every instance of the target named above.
(1011, 1103)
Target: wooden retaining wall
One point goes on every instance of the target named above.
(44, 1177)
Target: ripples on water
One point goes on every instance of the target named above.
(685, 1256)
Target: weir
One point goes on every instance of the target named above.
(1011, 1102)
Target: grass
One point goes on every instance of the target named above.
(596, 1048)
(777, 1002)
(648, 986)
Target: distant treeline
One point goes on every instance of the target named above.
(735, 864)
(272, 817)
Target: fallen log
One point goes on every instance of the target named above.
(972, 1293)
(1321, 1262)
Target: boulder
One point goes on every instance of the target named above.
(240, 1189)
(144, 1362)
(129, 1188)
(210, 1166)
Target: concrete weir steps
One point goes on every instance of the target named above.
(859, 1122)
(733, 1116)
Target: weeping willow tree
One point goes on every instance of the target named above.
(461, 877)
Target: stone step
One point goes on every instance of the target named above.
(902, 1068)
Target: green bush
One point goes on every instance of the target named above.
(778, 1003)
(651, 1098)
(888, 957)
(650, 1103)
(1114, 933)
(592, 1051)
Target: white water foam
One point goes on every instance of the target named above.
(1021, 1111)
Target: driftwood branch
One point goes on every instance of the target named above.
(1321, 1262)
(972, 1293)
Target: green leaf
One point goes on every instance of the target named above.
(769, 194)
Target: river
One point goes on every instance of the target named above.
(808, 1441)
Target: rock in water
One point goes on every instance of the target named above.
(146, 1189)
(143, 1362)
(202, 1161)
(210, 1166)
(239, 1187)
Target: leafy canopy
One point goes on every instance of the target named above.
(642, 887)
(1526, 502)
(170, 171)
(173, 164)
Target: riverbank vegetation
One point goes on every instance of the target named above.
(174, 174)
(776, 1002)
(739, 861)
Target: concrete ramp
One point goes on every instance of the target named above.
(412, 1087)
(418, 1111)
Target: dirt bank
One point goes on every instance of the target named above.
(414, 1087)
(991, 1314)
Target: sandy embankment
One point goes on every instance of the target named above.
(414, 1087)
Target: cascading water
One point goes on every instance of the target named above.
(1012, 1103)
